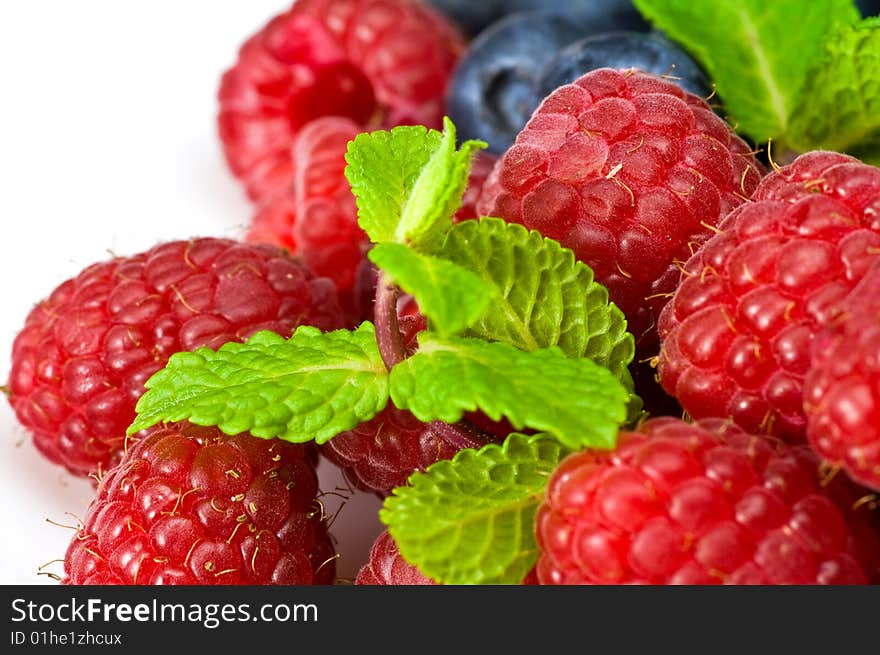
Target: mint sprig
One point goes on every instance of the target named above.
(438, 190)
(803, 74)
(470, 520)
(516, 329)
(382, 168)
(578, 401)
(550, 354)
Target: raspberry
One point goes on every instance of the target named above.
(316, 217)
(703, 503)
(631, 173)
(80, 362)
(737, 333)
(387, 567)
(376, 62)
(191, 505)
(842, 387)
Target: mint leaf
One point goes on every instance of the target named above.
(382, 168)
(470, 520)
(839, 108)
(311, 386)
(408, 182)
(543, 295)
(437, 192)
(578, 401)
(757, 52)
(450, 296)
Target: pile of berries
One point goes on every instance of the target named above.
(751, 289)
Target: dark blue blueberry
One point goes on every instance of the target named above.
(593, 15)
(648, 51)
(868, 7)
(473, 16)
(491, 94)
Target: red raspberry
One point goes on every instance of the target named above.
(80, 362)
(387, 566)
(377, 62)
(629, 171)
(191, 505)
(704, 503)
(316, 217)
(737, 333)
(842, 387)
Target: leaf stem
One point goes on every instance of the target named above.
(388, 335)
(463, 434)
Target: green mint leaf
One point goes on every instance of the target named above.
(470, 520)
(408, 182)
(840, 105)
(437, 192)
(579, 402)
(311, 386)
(757, 52)
(382, 168)
(543, 296)
(450, 296)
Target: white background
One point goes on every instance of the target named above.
(108, 144)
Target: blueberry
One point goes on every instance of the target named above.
(868, 7)
(492, 91)
(593, 15)
(648, 51)
(473, 16)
